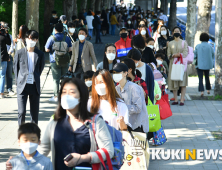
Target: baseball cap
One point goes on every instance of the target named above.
(63, 18)
(119, 67)
(123, 28)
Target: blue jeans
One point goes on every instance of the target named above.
(90, 31)
(2, 76)
(9, 74)
(98, 39)
(113, 29)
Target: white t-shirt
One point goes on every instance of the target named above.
(143, 71)
(30, 79)
(89, 20)
(110, 116)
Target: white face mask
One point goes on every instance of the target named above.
(159, 62)
(129, 22)
(72, 30)
(68, 102)
(137, 64)
(111, 56)
(88, 83)
(30, 43)
(143, 32)
(117, 77)
(101, 89)
(151, 46)
(148, 19)
(29, 147)
(81, 37)
(54, 16)
(163, 32)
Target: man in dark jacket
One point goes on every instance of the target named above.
(4, 39)
(28, 65)
(97, 25)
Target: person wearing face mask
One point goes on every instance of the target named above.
(54, 20)
(163, 17)
(149, 24)
(176, 50)
(140, 26)
(32, 61)
(73, 35)
(146, 71)
(123, 46)
(82, 53)
(162, 64)
(88, 80)
(97, 25)
(113, 22)
(109, 58)
(133, 96)
(67, 134)
(89, 20)
(29, 158)
(57, 70)
(157, 33)
(144, 32)
(129, 26)
(106, 102)
(135, 75)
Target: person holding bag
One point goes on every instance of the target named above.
(175, 50)
(204, 58)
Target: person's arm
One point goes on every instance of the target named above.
(169, 51)
(72, 58)
(93, 56)
(16, 66)
(157, 91)
(7, 39)
(150, 82)
(48, 166)
(185, 50)
(48, 45)
(11, 50)
(156, 44)
(195, 52)
(115, 20)
(42, 63)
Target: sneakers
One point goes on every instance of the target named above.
(11, 93)
(2, 96)
(54, 99)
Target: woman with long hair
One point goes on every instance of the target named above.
(144, 32)
(21, 38)
(106, 101)
(156, 34)
(109, 58)
(67, 132)
(134, 75)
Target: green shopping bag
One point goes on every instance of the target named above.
(154, 117)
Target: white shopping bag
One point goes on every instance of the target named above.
(137, 154)
(177, 71)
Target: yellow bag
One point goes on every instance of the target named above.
(136, 151)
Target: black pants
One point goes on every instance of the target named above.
(34, 97)
(98, 39)
(207, 79)
(79, 72)
(139, 129)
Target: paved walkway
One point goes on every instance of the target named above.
(186, 129)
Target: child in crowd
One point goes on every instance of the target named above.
(160, 59)
(30, 158)
(88, 80)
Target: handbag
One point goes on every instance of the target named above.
(159, 137)
(154, 116)
(190, 55)
(177, 71)
(164, 108)
(137, 154)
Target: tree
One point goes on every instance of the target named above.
(105, 4)
(75, 9)
(98, 5)
(218, 53)
(32, 14)
(49, 6)
(84, 4)
(204, 17)
(191, 22)
(68, 9)
(173, 14)
(92, 6)
(164, 6)
(14, 18)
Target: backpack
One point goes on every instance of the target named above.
(117, 140)
(190, 55)
(61, 51)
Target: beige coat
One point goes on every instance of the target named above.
(87, 54)
(173, 48)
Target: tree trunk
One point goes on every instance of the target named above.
(68, 9)
(164, 6)
(32, 14)
(105, 4)
(15, 19)
(204, 17)
(98, 5)
(49, 6)
(191, 22)
(218, 54)
(83, 4)
(92, 6)
(173, 14)
(75, 9)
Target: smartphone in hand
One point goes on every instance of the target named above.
(68, 158)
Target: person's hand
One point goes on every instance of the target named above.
(15, 40)
(120, 119)
(9, 59)
(70, 69)
(9, 165)
(157, 96)
(82, 22)
(121, 122)
(74, 161)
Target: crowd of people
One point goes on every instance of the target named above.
(134, 71)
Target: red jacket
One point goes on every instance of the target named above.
(123, 47)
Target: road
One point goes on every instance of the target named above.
(182, 14)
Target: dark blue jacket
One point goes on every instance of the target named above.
(97, 22)
(150, 82)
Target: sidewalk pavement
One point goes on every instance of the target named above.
(188, 128)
